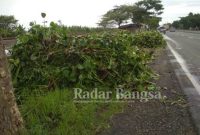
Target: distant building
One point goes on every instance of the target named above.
(133, 27)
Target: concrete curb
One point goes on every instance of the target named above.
(190, 92)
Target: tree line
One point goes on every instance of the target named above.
(143, 12)
(191, 21)
(9, 26)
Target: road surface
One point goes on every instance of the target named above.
(185, 48)
(187, 45)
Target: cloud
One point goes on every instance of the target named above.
(85, 12)
(176, 9)
(73, 12)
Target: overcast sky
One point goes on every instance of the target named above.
(84, 12)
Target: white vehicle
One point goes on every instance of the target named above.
(162, 29)
(172, 29)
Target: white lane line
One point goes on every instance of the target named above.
(176, 44)
(184, 66)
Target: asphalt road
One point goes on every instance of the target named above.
(188, 46)
(185, 48)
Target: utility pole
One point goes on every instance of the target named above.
(11, 122)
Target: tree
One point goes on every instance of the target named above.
(115, 16)
(104, 22)
(152, 9)
(10, 120)
(153, 22)
(7, 22)
(7, 25)
(175, 24)
(137, 14)
(191, 21)
(145, 11)
(43, 16)
(20, 30)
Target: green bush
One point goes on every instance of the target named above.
(149, 39)
(50, 58)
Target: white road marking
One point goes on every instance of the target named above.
(183, 65)
(176, 44)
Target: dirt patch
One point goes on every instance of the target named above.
(156, 117)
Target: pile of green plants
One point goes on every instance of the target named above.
(48, 62)
(48, 57)
(149, 39)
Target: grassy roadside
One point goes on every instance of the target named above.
(56, 114)
(46, 65)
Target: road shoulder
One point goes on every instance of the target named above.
(188, 89)
(156, 117)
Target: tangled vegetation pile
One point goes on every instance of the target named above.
(61, 58)
(149, 39)
(50, 58)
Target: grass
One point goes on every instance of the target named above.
(55, 113)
